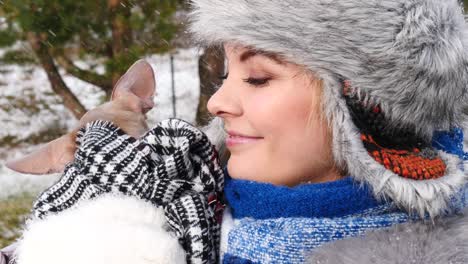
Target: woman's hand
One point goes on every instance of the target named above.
(132, 98)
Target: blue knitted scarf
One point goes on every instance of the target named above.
(275, 224)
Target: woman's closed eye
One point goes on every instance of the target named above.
(251, 80)
(257, 81)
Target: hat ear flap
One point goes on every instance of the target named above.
(411, 172)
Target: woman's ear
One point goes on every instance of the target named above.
(135, 91)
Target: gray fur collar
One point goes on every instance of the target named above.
(409, 56)
(441, 242)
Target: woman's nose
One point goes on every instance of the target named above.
(225, 102)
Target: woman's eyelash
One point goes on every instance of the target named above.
(224, 77)
(257, 81)
(250, 80)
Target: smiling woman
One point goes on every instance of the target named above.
(272, 115)
(340, 118)
(331, 110)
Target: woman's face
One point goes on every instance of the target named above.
(271, 111)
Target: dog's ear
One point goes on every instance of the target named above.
(138, 80)
(50, 158)
(135, 90)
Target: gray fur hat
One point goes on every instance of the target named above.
(409, 58)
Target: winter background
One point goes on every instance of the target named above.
(30, 111)
(29, 86)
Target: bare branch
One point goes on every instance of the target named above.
(88, 76)
(58, 85)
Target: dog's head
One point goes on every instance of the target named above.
(132, 97)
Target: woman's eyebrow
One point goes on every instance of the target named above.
(251, 53)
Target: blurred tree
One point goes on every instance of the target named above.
(210, 68)
(114, 33)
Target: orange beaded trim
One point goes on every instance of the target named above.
(408, 164)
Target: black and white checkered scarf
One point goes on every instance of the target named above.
(174, 166)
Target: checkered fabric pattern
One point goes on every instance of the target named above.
(173, 166)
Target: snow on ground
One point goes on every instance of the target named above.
(13, 183)
(186, 85)
(28, 107)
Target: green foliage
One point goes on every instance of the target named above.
(7, 38)
(14, 212)
(120, 62)
(117, 35)
(64, 20)
(18, 57)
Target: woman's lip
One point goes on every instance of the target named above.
(238, 139)
(236, 134)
